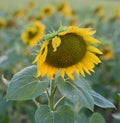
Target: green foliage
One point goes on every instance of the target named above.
(101, 101)
(98, 99)
(62, 115)
(71, 102)
(97, 118)
(75, 94)
(25, 85)
(116, 116)
(4, 105)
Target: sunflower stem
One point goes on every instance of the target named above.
(51, 95)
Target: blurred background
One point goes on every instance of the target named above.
(15, 53)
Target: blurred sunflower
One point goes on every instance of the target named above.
(108, 52)
(11, 24)
(99, 10)
(20, 13)
(100, 13)
(32, 4)
(3, 22)
(33, 34)
(116, 16)
(117, 12)
(47, 11)
(64, 9)
(69, 51)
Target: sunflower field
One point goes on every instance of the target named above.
(60, 61)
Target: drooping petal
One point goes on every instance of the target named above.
(56, 43)
(94, 49)
(91, 40)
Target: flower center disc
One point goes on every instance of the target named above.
(71, 50)
(32, 34)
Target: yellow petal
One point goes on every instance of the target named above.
(43, 69)
(79, 66)
(44, 46)
(94, 57)
(87, 63)
(94, 49)
(69, 73)
(86, 31)
(85, 68)
(76, 70)
(50, 72)
(56, 43)
(62, 72)
(91, 40)
(39, 69)
(36, 59)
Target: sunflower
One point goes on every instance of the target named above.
(20, 13)
(117, 12)
(116, 16)
(64, 9)
(69, 51)
(11, 23)
(3, 22)
(47, 11)
(100, 13)
(31, 4)
(33, 34)
(108, 52)
(99, 10)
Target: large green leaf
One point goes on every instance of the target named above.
(98, 99)
(62, 115)
(97, 118)
(25, 85)
(4, 105)
(81, 118)
(101, 101)
(75, 93)
(83, 83)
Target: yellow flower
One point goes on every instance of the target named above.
(100, 13)
(3, 22)
(108, 52)
(99, 10)
(69, 51)
(11, 24)
(117, 12)
(64, 9)
(47, 11)
(20, 13)
(116, 16)
(31, 4)
(33, 34)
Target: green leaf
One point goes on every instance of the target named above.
(101, 101)
(75, 93)
(25, 85)
(81, 118)
(97, 118)
(81, 82)
(98, 99)
(116, 116)
(4, 105)
(62, 115)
